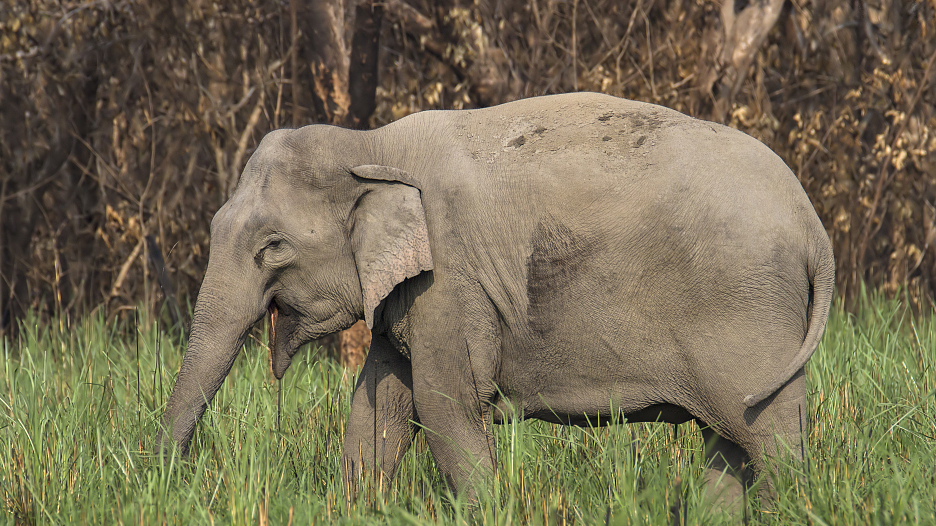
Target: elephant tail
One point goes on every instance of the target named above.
(821, 270)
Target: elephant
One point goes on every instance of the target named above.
(569, 258)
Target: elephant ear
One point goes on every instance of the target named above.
(384, 173)
(388, 236)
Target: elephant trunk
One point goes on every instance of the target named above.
(219, 328)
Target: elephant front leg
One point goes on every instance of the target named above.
(453, 398)
(381, 425)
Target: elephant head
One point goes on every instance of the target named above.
(314, 235)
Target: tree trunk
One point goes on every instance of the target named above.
(745, 26)
(362, 72)
(330, 59)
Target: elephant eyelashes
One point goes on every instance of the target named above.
(272, 253)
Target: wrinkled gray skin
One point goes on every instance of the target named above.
(570, 256)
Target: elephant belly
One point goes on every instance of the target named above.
(593, 347)
(587, 414)
(583, 376)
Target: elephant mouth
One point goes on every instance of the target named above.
(274, 313)
(283, 319)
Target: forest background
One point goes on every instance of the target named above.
(124, 124)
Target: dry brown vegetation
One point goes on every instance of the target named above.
(126, 119)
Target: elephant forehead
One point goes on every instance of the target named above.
(241, 217)
(281, 153)
(265, 166)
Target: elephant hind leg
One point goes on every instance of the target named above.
(777, 429)
(728, 472)
(774, 428)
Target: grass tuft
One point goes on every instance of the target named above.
(79, 407)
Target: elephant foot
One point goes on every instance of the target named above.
(724, 493)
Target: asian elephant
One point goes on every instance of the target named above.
(567, 257)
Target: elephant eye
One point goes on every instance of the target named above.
(277, 252)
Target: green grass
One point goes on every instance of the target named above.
(78, 410)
